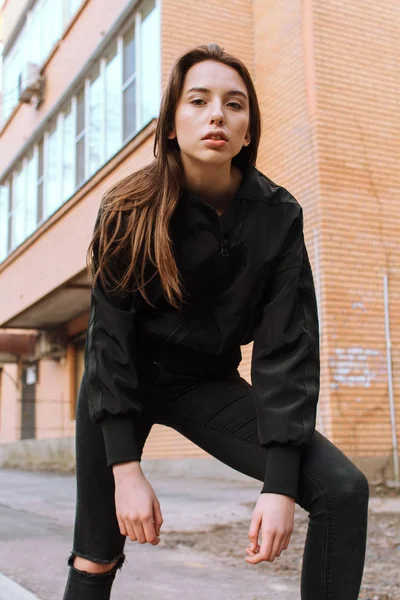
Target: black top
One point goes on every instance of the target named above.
(248, 277)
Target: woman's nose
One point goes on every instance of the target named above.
(217, 116)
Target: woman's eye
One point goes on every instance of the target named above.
(237, 105)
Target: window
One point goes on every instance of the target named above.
(150, 66)
(129, 84)
(31, 193)
(23, 207)
(4, 211)
(113, 105)
(34, 35)
(80, 138)
(52, 172)
(70, 8)
(40, 182)
(18, 208)
(119, 96)
(50, 25)
(12, 67)
(42, 29)
(68, 167)
(95, 122)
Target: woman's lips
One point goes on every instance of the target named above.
(210, 143)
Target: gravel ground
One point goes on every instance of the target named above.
(381, 579)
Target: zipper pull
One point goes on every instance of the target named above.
(225, 247)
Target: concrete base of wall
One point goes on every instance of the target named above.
(58, 455)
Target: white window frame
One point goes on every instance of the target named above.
(7, 185)
(24, 40)
(135, 21)
(72, 104)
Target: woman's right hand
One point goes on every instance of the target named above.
(137, 507)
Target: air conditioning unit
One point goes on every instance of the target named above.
(30, 83)
(50, 344)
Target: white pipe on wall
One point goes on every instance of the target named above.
(320, 424)
(390, 380)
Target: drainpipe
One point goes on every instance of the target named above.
(390, 382)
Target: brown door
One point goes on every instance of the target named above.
(28, 400)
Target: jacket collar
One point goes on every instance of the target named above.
(236, 208)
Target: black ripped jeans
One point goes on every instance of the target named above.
(216, 412)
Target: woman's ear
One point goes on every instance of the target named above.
(172, 134)
(247, 139)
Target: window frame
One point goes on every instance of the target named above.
(40, 147)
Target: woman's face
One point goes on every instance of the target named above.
(214, 97)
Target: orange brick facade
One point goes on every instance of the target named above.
(325, 78)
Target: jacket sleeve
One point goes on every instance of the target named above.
(111, 371)
(285, 368)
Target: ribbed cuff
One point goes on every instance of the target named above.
(282, 470)
(120, 440)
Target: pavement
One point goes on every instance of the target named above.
(36, 527)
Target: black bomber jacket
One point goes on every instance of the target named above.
(249, 275)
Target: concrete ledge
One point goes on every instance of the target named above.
(58, 455)
(11, 590)
(209, 468)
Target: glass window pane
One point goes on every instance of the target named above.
(34, 38)
(113, 108)
(80, 112)
(150, 66)
(130, 110)
(68, 156)
(4, 199)
(71, 8)
(12, 70)
(129, 54)
(40, 161)
(31, 196)
(80, 161)
(40, 211)
(51, 15)
(40, 214)
(53, 198)
(95, 123)
(18, 209)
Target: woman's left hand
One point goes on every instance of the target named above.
(274, 514)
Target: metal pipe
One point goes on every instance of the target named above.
(390, 380)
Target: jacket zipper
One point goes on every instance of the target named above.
(224, 242)
(183, 326)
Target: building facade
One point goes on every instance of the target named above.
(82, 84)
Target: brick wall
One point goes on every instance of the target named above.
(356, 53)
(327, 80)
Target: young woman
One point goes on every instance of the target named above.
(191, 257)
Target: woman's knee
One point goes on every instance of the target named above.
(352, 484)
(83, 564)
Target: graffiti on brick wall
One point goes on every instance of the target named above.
(357, 367)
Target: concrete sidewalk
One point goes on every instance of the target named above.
(9, 590)
(36, 527)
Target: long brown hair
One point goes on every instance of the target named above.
(132, 227)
